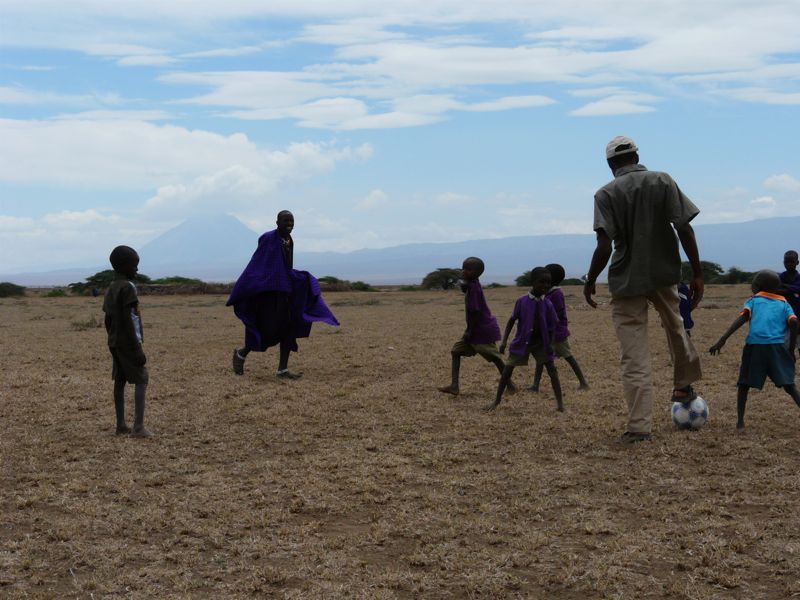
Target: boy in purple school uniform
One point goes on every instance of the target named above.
(482, 330)
(561, 337)
(790, 281)
(536, 324)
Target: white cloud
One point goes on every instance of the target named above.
(763, 206)
(8, 223)
(67, 219)
(138, 155)
(224, 52)
(782, 183)
(375, 199)
(116, 115)
(763, 95)
(146, 60)
(619, 104)
(452, 199)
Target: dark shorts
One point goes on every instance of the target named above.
(124, 368)
(487, 351)
(562, 348)
(535, 349)
(760, 361)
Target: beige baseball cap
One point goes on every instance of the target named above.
(620, 145)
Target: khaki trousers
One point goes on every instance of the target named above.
(629, 314)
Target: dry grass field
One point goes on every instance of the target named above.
(362, 481)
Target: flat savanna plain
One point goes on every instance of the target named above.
(361, 480)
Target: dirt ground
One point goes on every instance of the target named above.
(360, 480)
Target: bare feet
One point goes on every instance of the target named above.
(534, 389)
(511, 389)
(490, 407)
(287, 374)
(122, 429)
(583, 386)
(141, 432)
(449, 389)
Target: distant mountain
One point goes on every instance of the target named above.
(217, 249)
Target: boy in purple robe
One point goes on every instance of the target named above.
(482, 330)
(561, 337)
(536, 325)
(790, 281)
(276, 303)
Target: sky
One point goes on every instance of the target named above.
(379, 123)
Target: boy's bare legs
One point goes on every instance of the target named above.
(583, 384)
(510, 387)
(139, 429)
(501, 387)
(792, 391)
(119, 406)
(552, 372)
(455, 369)
(741, 404)
(537, 377)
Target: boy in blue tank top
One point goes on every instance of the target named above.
(764, 354)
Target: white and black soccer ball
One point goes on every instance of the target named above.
(690, 415)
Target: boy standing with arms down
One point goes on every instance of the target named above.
(536, 324)
(482, 330)
(764, 352)
(639, 212)
(124, 327)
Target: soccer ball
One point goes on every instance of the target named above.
(690, 415)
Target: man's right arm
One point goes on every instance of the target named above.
(600, 258)
(689, 245)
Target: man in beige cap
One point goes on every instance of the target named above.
(640, 211)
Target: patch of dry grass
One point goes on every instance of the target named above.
(361, 480)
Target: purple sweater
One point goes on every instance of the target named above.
(535, 317)
(556, 297)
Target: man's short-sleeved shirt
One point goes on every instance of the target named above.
(534, 316)
(769, 316)
(639, 210)
(120, 300)
(485, 330)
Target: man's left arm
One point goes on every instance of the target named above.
(689, 245)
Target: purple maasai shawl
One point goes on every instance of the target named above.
(791, 281)
(267, 272)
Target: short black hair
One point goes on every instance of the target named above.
(476, 261)
(766, 281)
(556, 272)
(623, 160)
(537, 272)
(790, 253)
(284, 212)
(121, 256)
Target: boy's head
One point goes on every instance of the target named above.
(472, 268)
(125, 260)
(620, 152)
(557, 273)
(285, 223)
(541, 281)
(790, 260)
(766, 281)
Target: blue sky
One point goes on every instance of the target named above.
(381, 123)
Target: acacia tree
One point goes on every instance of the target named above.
(441, 279)
(101, 280)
